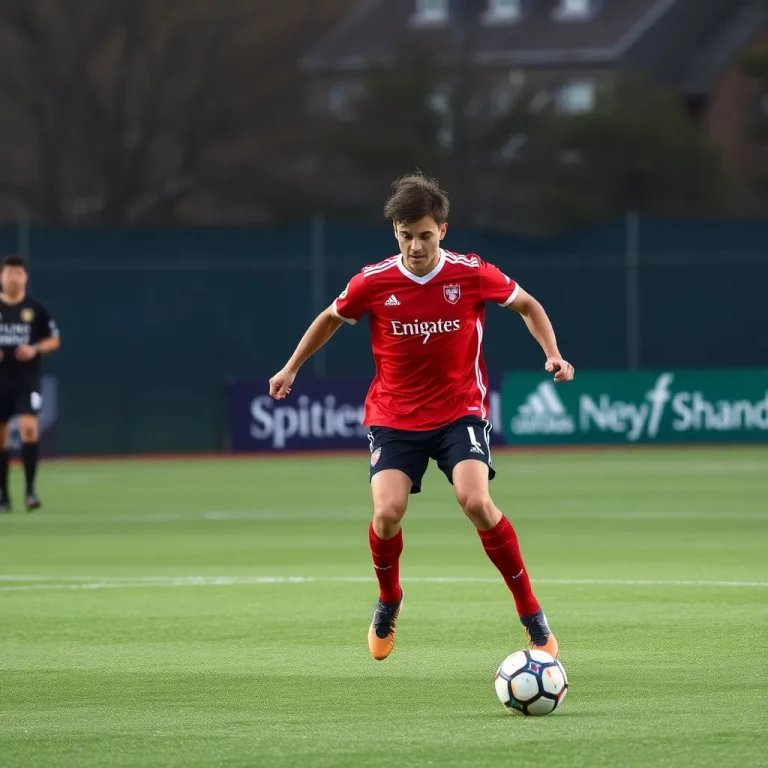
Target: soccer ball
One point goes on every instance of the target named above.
(531, 683)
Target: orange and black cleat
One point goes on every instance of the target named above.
(381, 635)
(540, 637)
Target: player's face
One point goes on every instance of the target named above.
(420, 244)
(14, 280)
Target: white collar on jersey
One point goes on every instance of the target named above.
(423, 278)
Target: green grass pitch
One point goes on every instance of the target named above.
(194, 613)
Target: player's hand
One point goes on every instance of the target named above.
(25, 352)
(280, 384)
(562, 369)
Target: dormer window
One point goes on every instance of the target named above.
(503, 11)
(575, 10)
(431, 12)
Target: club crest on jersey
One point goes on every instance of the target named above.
(452, 293)
(27, 315)
(375, 457)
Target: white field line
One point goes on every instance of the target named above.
(45, 583)
(354, 513)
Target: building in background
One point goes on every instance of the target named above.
(521, 58)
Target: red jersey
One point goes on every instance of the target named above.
(427, 337)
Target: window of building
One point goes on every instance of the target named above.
(575, 10)
(439, 101)
(576, 97)
(431, 12)
(503, 11)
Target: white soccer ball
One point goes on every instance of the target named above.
(531, 683)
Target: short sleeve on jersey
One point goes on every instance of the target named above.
(351, 304)
(496, 286)
(45, 325)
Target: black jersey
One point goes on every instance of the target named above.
(27, 322)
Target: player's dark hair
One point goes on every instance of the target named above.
(14, 261)
(414, 197)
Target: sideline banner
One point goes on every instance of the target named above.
(685, 406)
(320, 414)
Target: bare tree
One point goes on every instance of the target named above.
(128, 110)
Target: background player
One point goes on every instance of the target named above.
(429, 398)
(27, 331)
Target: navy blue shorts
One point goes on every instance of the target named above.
(410, 452)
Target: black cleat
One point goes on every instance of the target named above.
(540, 637)
(5, 505)
(381, 635)
(32, 502)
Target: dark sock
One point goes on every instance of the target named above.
(5, 458)
(29, 455)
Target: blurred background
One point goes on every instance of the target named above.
(193, 181)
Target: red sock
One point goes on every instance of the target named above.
(386, 563)
(501, 546)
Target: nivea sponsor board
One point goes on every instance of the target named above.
(318, 415)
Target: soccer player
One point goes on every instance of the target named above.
(429, 398)
(27, 331)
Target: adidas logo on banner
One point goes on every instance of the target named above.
(392, 301)
(543, 413)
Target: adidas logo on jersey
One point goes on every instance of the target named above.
(392, 301)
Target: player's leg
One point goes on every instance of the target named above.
(465, 457)
(390, 489)
(29, 427)
(470, 479)
(5, 460)
(398, 463)
(7, 408)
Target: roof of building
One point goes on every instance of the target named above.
(377, 29)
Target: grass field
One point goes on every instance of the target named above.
(215, 614)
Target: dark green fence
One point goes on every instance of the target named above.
(154, 321)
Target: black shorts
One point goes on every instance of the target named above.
(410, 452)
(19, 402)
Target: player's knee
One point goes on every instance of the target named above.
(389, 512)
(387, 515)
(477, 506)
(28, 432)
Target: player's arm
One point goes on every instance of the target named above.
(49, 342)
(497, 287)
(541, 329)
(317, 335)
(46, 346)
(349, 307)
